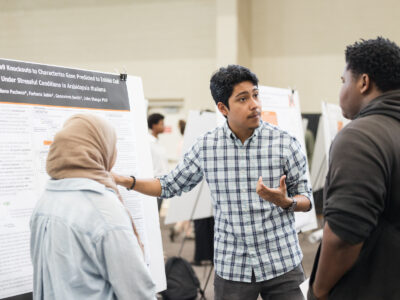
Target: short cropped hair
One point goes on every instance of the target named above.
(223, 81)
(153, 119)
(379, 58)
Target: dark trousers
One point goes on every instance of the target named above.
(284, 287)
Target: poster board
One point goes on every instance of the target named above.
(330, 123)
(198, 201)
(35, 100)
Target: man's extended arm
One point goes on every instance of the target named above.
(186, 175)
(151, 187)
(336, 258)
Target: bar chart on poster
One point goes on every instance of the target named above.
(35, 100)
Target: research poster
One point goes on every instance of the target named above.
(35, 100)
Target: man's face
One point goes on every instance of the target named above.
(244, 107)
(159, 127)
(350, 94)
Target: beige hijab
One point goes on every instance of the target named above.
(85, 148)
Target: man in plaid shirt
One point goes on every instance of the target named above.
(256, 173)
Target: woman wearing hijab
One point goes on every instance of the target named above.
(84, 244)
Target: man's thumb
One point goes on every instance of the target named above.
(282, 182)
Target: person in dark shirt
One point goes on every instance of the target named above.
(359, 254)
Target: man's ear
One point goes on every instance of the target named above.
(223, 109)
(364, 83)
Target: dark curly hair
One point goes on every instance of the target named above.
(153, 119)
(379, 58)
(223, 81)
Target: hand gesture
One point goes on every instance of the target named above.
(276, 196)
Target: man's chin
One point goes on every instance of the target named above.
(254, 124)
(347, 116)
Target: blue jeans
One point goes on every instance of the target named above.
(284, 287)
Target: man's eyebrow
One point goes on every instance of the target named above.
(241, 93)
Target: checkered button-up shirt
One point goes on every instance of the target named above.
(250, 233)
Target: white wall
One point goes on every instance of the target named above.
(301, 43)
(169, 43)
(172, 44)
